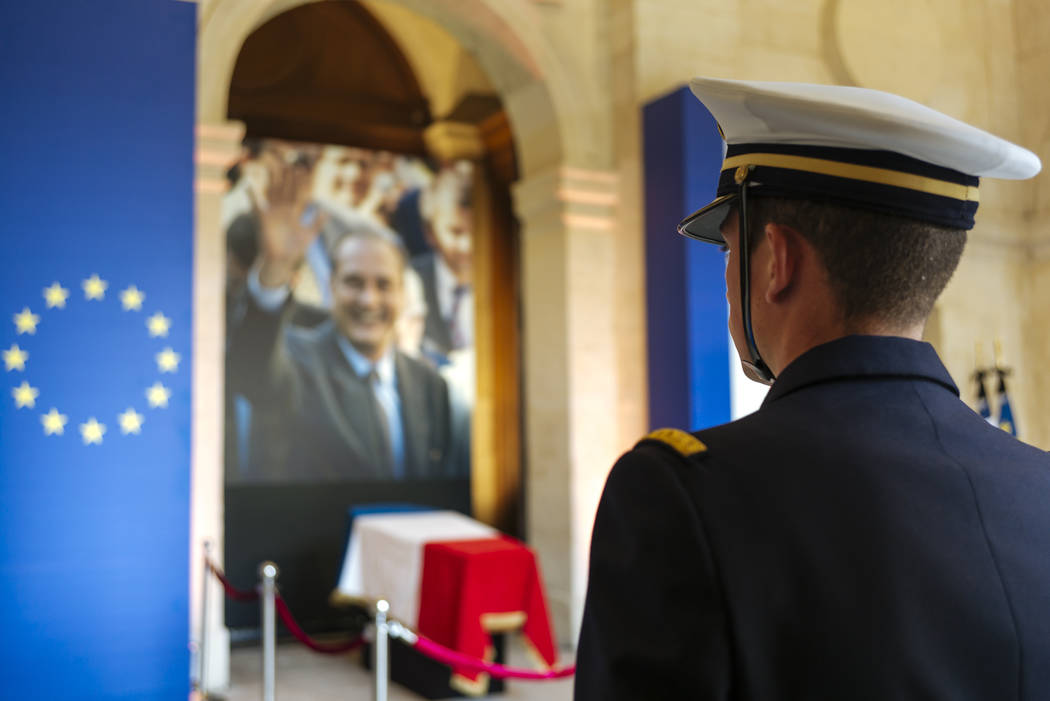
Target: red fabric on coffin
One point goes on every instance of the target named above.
(466, 582)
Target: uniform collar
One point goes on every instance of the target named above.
(862, 356)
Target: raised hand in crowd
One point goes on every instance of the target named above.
(288, 220)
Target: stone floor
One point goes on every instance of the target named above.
(303, 675)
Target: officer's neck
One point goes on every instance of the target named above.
(808, 326)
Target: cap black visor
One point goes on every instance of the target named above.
(706, 224)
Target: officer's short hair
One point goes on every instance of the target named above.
(880, 266)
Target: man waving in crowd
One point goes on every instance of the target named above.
(344, 402)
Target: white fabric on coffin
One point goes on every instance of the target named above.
(384, 558)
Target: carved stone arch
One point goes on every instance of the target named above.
(508, 45)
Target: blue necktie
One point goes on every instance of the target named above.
(386, 415)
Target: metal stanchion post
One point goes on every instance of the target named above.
(381, 661)
(268, 572)
(202, 643)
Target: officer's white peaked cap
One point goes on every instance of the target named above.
(855, 146)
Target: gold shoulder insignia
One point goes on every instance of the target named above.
(685, 444)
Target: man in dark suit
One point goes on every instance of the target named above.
(347, 404)
(864, 535)
(446, 215)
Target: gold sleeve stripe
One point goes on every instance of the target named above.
(881, 176)
(685, 443)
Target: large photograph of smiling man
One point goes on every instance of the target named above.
(348, 357)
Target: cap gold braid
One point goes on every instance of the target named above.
(881, 176)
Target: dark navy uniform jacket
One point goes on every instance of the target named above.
(864, 535)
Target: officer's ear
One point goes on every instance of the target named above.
(785, 249)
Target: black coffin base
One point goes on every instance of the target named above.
(426, 677)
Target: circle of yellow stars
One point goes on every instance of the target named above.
(92, 431)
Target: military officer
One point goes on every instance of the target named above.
(864, 535)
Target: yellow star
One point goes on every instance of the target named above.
(94, 287)
(168, 360)
(56, 296)
(158, 395)
(26, 321)
(158, 325)
(15, 358)
(54, 422)
(132, 298)
(92, 431)
(130, 421)
(25, 396)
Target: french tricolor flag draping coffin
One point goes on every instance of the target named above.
(453, 580)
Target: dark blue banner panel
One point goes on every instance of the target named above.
(685, 285)
(96, 204)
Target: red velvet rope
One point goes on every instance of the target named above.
(301, 636)
(232, 591)
(286, 617)
(458, 659)
(424, 645)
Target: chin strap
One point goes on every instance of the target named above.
(754, 368)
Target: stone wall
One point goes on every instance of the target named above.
(1032, 57)
(983, 61)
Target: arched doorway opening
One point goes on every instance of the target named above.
(326, 82)
(563, 201)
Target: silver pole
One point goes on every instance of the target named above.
(381, 646)
(202, 646)
(268, 571)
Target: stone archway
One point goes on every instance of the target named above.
(508, 45)
(578, 367)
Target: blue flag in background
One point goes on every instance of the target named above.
(983, 408)
(1006, 419)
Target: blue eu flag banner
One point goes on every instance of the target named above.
(93, 363)
(96, 359)
(96, 191)
(983, 408)
(1006, 413)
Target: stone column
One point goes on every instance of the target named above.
(218, 145)
(572, 379)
